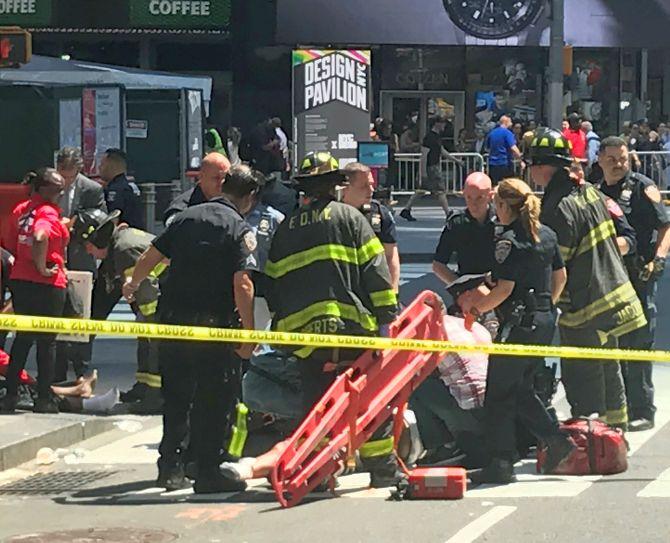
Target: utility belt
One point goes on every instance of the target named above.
(520, 312)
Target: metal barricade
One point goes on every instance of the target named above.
(409, 171)
(656, 166)
(455, 173)
(155, 199)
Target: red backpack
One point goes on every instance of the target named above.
(601, 449)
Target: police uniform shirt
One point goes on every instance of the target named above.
(382, 222)
(528, 264)
(641, 201)
(264, 221)
(206, 244)
(472, 241)
(124, 195)
(191, 197)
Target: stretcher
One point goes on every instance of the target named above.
(376, 387)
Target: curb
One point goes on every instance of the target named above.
(23, 450)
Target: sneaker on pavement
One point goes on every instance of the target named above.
(640, 425)
(407, 215)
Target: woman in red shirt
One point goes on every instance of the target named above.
(38, 239)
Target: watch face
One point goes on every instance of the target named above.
(493, 19)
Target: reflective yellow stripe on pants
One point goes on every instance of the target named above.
(378, 447)
(149, 379)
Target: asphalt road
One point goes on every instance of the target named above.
(110, 484)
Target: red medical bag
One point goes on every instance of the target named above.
(601, 449)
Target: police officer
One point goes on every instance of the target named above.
(211, 252)
(358, 192)
(119, 250)
(213, 171)
(120, 193)
(530, 276)
(333, 242)
(264, 221)
(640, 200)
(469, 233)
(599, 304)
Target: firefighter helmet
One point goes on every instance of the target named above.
(319, 166)
(550, 147)
(95, 226)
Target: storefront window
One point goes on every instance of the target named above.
(593, 88)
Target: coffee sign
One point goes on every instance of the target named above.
(179, 13)
(25, 12)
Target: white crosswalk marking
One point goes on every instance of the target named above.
(409, 272)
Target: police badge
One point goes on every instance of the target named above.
(503, 249)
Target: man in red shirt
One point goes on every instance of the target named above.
(576, 136)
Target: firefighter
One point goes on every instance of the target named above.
(212, 255)
(119, 248)
(530, 276)
(599, 304)
(641, 202)
(358, 192)
(352, 294)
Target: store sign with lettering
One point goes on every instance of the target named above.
(25, 12)
(180, 13)
(331, 101)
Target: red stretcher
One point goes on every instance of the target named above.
(377, 386)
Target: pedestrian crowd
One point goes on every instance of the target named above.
(319, 255)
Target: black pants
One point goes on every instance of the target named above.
(35, 299)
(593, 386)
(638, 375)
(498, 173)
(200, 386)
(438, 416)
(510, 391)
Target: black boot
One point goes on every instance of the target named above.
(216, 480)
(559, 448)
(8, 405)
(172, 477)
(384, 471)
(45, 405)
(150, 404)
(498, 472)
(135, 394)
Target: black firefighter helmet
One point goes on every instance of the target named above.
(550, 147)
(318, 168)
(95, 226)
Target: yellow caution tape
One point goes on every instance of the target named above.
(23, 323)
